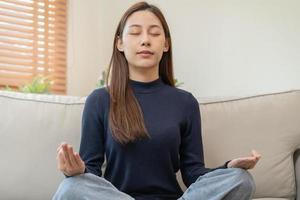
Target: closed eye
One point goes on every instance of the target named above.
(155, 34)
(134, 33)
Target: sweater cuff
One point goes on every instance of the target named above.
(226, 164)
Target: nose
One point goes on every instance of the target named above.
(145, 40)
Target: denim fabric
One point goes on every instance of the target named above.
(225, 184)
(221, 184)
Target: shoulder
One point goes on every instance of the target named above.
(184, 96)
(185, 101)
(98, 97)
(99, 93)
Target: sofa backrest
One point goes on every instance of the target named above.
(267, 123)
(31, 128)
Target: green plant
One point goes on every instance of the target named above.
(102, 80)
(177, 83)
(39, 84)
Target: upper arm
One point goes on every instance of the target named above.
(92, 134)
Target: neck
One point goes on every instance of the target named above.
(146, 86)
(143, 74)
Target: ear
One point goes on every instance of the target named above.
(119, 44)
(166, 47)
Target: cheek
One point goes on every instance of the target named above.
(128, 51)
(129, 47)
(160, 47)
(161, 44)
(129, 41)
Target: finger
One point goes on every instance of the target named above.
(78, 159)
(71, 156)
(80, 162)
(61, 157)
(250, 158)
(252, 165)
(247, 166)
(246, 162)
(61, 161)
(60, 146)
(243, 162)
(257, 159)
(256, 154)
(67, 157)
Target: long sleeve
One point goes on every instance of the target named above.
(92, 135)
(144, 169)
(191, 149)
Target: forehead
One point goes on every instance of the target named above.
(143, 18)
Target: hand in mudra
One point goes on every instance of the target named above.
(245, 162)
(69, 162)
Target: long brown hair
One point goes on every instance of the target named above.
(125, 117)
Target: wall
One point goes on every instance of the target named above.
(221, 48)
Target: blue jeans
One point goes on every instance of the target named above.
(225, 184)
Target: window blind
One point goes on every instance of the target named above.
(33, 42)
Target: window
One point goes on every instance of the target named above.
(33, 42)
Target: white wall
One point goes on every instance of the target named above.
(85, 46)
(221, 48)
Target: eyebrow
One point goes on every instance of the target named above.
(151, 26)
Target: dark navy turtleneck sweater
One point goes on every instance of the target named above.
(146, 169)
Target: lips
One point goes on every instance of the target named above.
(145, 52)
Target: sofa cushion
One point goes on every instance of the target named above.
(267, 123)
(32, 127)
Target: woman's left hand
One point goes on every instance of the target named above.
(245, 162)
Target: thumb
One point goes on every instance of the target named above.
(256, 154)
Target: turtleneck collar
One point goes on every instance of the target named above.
(146, 87)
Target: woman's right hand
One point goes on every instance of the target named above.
(69, 162)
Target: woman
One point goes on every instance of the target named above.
(146, 127)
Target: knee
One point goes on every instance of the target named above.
(244, 179)
(68, 188)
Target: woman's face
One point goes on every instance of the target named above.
(143, 41)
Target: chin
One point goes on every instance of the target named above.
(146, 64)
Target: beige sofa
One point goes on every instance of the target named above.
(32, 126)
